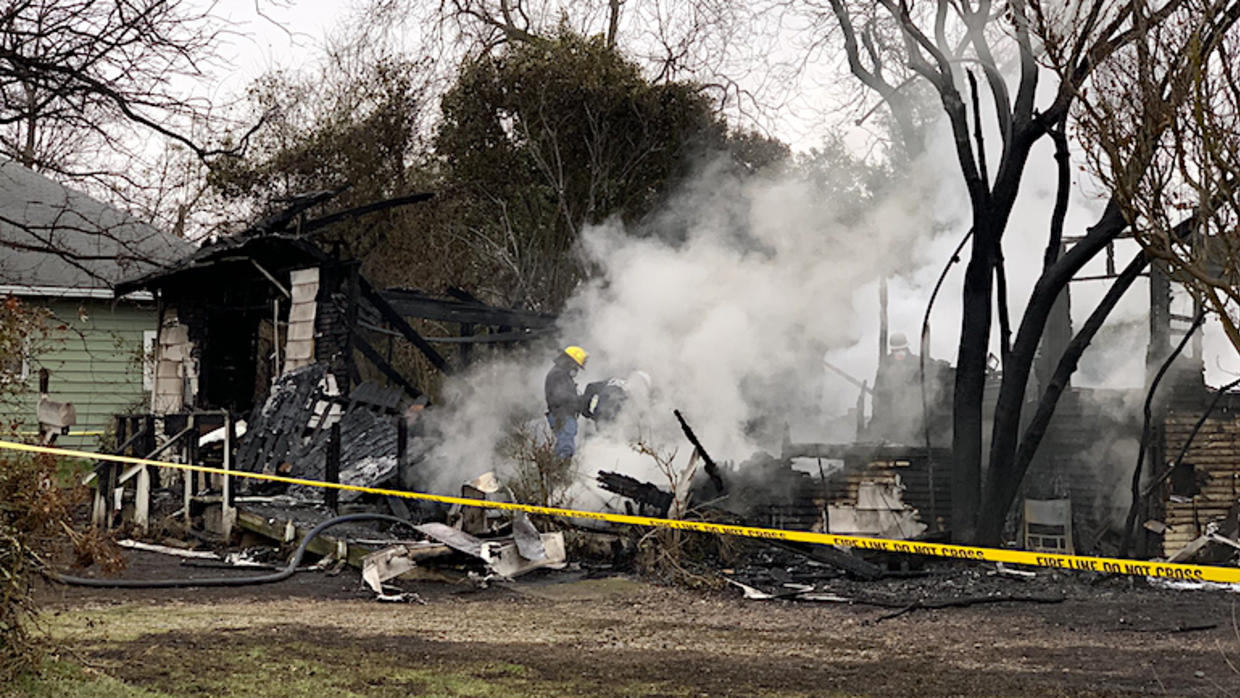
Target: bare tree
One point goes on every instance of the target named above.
(964, 50)
(711, 42)
(77, 75)
(90, 93)
(1194, 164)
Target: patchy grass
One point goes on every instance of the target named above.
(311, 649)
(270, 672)
(262, 673)
(618, 637)
(58, 678)
(278, 671)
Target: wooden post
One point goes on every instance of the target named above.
(142, 500)
(466, 330)
(387, 380)
(402, 441)
(353, 291)
(275, 339)
(189, 474)
(228, 514)
(204, 481)
(882, 321)
(111, 473)
(99, 506)
(860, 409)
(331, 496)
(149, 437)
(142, 488)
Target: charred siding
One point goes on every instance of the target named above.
(1087, 456)
(1209, 483)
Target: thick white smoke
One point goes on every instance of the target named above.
(728, 300)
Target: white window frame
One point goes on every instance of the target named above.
(149, 346)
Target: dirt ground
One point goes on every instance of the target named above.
(565, 634)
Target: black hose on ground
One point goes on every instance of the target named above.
(226, 581)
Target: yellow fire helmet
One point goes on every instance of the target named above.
(577, 354)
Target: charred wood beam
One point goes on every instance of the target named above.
(856, 452)
(835, 557)
(636, 490)
(462, 295)
(712, 470)
(414, 304)
(352, 285)
(467, 329)
(331, 495)
(848, 377)
(386, 368)
(394, 318)
(498, 338)
(961, 602)
(297, 206)
(323, 222)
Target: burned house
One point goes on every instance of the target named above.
(275, 355)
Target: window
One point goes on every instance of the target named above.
(148, 359)
(16, 367)
(1184, 480)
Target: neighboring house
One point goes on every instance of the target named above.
(64, 251)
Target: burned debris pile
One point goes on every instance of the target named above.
(306, 422)
(648, 498)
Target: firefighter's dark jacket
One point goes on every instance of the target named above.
(562, 398)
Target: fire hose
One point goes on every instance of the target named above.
(225, 581)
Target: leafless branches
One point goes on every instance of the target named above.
(1173, 101)
(74, 69)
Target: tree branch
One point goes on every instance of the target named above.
(1147, 418)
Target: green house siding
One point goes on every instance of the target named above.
(95, 362)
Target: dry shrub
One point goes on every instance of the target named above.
(537, 476)
(35, 521)
(689, 558)
(673, 556)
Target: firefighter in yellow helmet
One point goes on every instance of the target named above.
(563, 400)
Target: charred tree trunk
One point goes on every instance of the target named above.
(967, 413)
(1000, 489)
(1007, 473)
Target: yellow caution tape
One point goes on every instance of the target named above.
(1105, 565)
(72, 433)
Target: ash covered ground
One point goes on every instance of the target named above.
(583, 633)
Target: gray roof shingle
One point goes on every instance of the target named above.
(53, 236)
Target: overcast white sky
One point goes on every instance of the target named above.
(285, 33)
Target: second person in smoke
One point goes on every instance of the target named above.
(603, 400)
(563, 401)
(897, 414)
